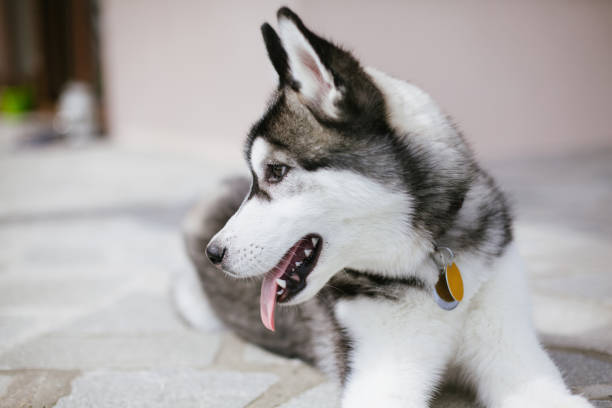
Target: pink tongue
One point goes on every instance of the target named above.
(267, 300)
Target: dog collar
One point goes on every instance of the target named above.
(448, 290)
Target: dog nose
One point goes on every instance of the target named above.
(215, 253)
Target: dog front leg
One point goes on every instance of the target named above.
(398, 351)
(501, 352)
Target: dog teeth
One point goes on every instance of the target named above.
(280, 291)
(298, 264)
(281, 283)
(315, 241)
(308, 252)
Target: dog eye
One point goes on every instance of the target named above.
(276, 172)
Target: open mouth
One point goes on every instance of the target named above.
(288, 277)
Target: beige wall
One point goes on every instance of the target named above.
(518, 76)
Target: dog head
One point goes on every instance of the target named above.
(337, 181)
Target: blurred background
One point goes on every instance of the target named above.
(520, 78)
(117, 116)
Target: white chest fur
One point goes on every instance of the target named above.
(401, 349)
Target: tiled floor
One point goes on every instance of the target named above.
(89, 244)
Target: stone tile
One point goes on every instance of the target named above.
(176, 349)
(580, 369)
(37, 388)
(136, 313)
(572, 323)
(12, 328)
(120, 248)
(596, 391)
(257, 355)
(566, 316)
(76, 293)
(101, 176)
(589, 286)
(5, 380)
(574, 190)
(591, 341)
(56, 267)
(17, 327)
(296, 379)
(552, 250)
(326, 395)
(166, 388)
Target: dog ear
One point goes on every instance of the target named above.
(327, 79)
(304, 65)
(276, 53)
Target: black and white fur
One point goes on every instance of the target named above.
(383, 175)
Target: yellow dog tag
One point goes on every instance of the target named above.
(448, 291)
(454, 282)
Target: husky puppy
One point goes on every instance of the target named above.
(368, 220)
